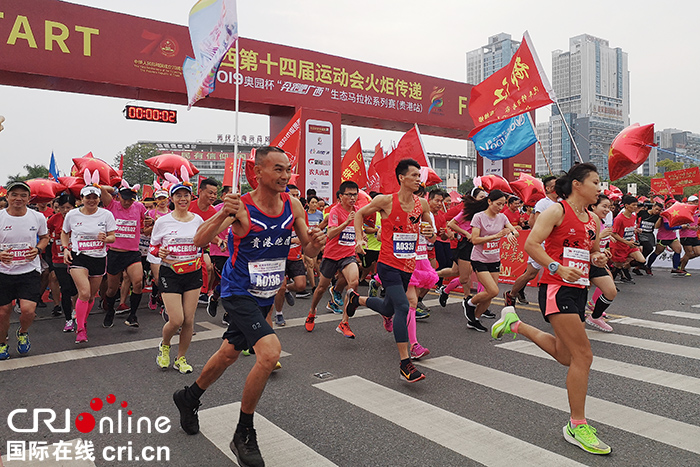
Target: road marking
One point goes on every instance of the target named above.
(51, 460)
(678, 314)
(614, 367)
(696, 306)
(655, 427)
(440, 426)
(213, 332)
(276, 445)
(645, 344)
(659, 326)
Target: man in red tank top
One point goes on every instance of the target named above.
(403, 215)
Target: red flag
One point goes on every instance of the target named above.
(353, 165)
(147, 191)
(411, 147)
(228, 171)
(386, 170)
(373, 183)
(289, 140)
(630, 149)
(250, 170)
(517, 88)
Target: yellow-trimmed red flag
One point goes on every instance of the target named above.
(353, 165)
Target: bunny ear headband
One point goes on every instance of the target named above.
(176, 183)
(92, 183)
(125, 186)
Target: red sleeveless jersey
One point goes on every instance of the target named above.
(400, 235)
(570, 245)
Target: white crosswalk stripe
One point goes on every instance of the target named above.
(678, 314)
(658, 325)
(645, 344)
(442, 427)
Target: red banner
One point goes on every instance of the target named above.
(517, 88)
(682, 178)
(373, 182)
(288, 140)
(660, 186)
(514, 260)
(353, 166)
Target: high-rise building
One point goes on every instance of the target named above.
(677, 145)
(591, 82)
(485, 61)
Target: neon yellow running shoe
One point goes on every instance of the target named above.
(584, 436)
(163, 358)
(182, 366)
(502, 326)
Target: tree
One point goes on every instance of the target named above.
(33, 171)
(135, 171)
(643, 183)
(466, 187)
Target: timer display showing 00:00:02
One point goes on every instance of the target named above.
(152, 115)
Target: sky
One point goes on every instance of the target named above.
(430, 38)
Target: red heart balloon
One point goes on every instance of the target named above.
(529, 189)
(679, 214)
(170, 163)
(91, 163)
(44, 190)
(630, 149)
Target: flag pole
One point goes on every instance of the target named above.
(534, 130)
(236, 170)
(568, 130)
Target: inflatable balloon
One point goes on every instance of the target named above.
(529, 189)
(73, 184)
(160, 165)
(630, 149)
(91, 163)
(429, 177)
(494, 182)
(679, 214)
(44, 190)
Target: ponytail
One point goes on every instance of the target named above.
(579, 172)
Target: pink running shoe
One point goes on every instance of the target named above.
(599, 324)
(388, 323)
(418, 351)
(81, 336)
(70, 326)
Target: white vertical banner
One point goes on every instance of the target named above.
(319, 158)
(492, 167)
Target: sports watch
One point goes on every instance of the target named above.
(553, 267)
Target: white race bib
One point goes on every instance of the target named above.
(347, 236)
(266, 277)
(580, 259)
(405, 245)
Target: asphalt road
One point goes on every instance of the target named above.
(483, 402)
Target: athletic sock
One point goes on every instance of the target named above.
(134, 301)
(601, 305)
(411, 324)
(650, 260)
(626, 273)
(89, 307)
(245, 420)
(596, 294)
(452, 285)
(515, 326)
(676, 260)
(470, 303)
(109, 301)
(575, 423)
(81, 311)
(194, 392)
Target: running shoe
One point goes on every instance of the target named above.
(488, 314)
(278, 366)
(203, 299)
(70, 326)
(279, 319)
(522, 298)
(675, 271)
(418, 351)
(353, 302)
(189, 418)
(410, 373)
(289, 297)
(468, 310)
(245, 446)
(422, 306)
(509, 298)
(226, 318)
(17, 309)
(637, 272)
(304, 294)
(132, 321)
(246, 352)
(388, 323)
(121, 309)
(81, 336)
(502, 326)
(599, 324)
(152, 302)
(23, 344)
(164, 314)
(57, 311)
(373, 288)
(4, 351)
(333, 308)
(590, 306)
(41, 304)
(584, 436)
(443, 296)
(108, 322)
(421, 313)
(336, 298)
(163, 358)
(476, 325)
(212, 305)
(627, 280)
(648, 270)
(344, 329)
(182, 366)
(309, 323)
(683, 273)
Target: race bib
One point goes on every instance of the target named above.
(580, 259)
(629, 233)
(90, 244)
(266, 277)
(347, 236)
(647, 226)
(405, 245)
(491, 248)
(182, 249)
(144, 244)
(126, 228)
(19, 252)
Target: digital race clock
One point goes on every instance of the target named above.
(135, 112)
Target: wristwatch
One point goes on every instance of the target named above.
(553, 267)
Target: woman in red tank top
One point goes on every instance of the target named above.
(572, 245)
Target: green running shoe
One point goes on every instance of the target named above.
(584, 436)
(182, 366)
(163, 358)
(502, 326)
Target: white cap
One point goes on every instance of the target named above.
(692, 198)
(90, 189)
(160, 193)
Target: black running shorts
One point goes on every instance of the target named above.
(20, 286)
(95, 266)
(171, 282)
(556, 298)
(247, 321)
(119, 261)
(330, 266)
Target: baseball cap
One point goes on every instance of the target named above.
(160, 194)
(178, 186)
(90, 190)
(690, 198)
(16, 184)
(127, 193)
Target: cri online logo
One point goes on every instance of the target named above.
(85, 421)
(436, 98)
